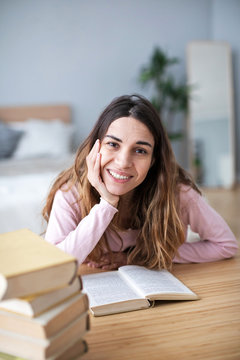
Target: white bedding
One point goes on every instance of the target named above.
(24, 185)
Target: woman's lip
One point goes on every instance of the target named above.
(119, 175)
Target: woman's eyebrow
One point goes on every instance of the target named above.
(140, 142)
(143, 143)
(114, 138)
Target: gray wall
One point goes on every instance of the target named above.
(87, 52)
(226, 26)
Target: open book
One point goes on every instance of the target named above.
(132, 287)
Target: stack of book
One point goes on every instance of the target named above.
(43, 311)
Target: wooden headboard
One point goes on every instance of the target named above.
(43, 112)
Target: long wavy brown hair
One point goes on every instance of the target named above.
(155, 207)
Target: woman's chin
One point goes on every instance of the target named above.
(116, 191)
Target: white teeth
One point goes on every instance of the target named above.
(117, 176)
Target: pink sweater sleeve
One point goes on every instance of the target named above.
(72, 234)
(217, 240)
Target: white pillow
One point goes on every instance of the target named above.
(43, 138)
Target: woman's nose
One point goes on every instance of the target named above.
(123, 159)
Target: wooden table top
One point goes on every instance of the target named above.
(205, 329)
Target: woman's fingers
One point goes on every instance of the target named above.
(94, 165)
(91, 158)
(110, 261)
(103, 266)
(97, 166)
(110, 267)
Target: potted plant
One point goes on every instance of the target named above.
(170, 98)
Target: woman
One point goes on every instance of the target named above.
(126, 199)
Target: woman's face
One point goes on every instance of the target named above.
(127, 152)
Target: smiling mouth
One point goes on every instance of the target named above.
(117, 176)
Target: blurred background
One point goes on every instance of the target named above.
(85, 53)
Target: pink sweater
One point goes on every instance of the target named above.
(78, 236)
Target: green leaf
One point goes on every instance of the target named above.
(175, 136)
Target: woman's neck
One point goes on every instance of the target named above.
(125, 210)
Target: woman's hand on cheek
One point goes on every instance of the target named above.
(94, 175)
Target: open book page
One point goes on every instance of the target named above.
(106, 288)
(151, 282)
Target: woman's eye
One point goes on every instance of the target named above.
(141, 151)
(112, 144)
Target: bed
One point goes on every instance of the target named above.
(35, 146)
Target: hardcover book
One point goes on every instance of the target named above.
(73, 351)
(30, 265)
(41, 349)
(48, 323)
(34, 305)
